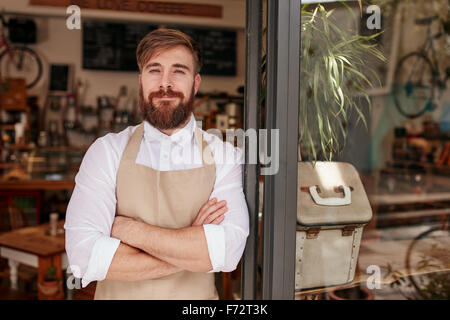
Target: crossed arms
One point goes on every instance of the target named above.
(151, 252)
(102, 246)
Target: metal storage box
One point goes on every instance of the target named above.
(329, 225)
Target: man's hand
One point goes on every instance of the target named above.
(185, 248)
(212, 212)
(121, 227)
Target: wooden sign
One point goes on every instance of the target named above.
(143, 6)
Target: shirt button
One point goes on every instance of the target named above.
(165, 156)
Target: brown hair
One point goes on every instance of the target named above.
(161, 39)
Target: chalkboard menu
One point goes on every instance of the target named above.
(218, 49)
(112, 46)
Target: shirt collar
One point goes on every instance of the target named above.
(181, 136)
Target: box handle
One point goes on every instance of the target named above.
(331, 201)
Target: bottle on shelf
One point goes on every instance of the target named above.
(121, 116)
(71, 113)
(55, 138)
(43, 139)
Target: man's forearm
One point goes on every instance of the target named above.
(131, 264)
(185, 247)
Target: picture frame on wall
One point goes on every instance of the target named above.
(60, 79)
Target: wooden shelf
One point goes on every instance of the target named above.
(63, 148)
(49, 148)
(17, 147)
(386, 219)
(25, 108)
(7, 126)
(6, 165)
(11, 126)
(426, 165)
(37, 184)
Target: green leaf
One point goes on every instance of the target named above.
(333, 60)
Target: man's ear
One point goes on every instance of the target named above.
(140, 80)
(197, 81)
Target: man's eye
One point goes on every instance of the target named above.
(179, 71)
(153, 70)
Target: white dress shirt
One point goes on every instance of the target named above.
(92, 207)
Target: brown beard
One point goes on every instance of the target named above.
(165, 117)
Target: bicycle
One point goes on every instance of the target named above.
(417, 76)
(18, 61)
(440, 280)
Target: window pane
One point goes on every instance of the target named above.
(373, 95)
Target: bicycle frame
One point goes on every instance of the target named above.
(4, 42)
(24, 59)
(427, 46)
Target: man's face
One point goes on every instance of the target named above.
(168, 85)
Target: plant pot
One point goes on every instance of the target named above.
(355, 293)
(49, 288)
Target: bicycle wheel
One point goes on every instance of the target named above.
(25, 64)
(414, 84)
(421, 282)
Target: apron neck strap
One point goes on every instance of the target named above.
(133, 145)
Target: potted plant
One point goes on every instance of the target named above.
(333, 72)
(50, 283)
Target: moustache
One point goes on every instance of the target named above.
(169, 93)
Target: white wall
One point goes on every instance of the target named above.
(57, 44)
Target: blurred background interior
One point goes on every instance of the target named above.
(62, 88)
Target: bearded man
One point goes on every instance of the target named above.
(156, 210)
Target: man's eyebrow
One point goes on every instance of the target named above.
(176, 65)
(154, 64)
(182, 66)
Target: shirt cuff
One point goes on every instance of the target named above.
(215, 239)
(100, 260)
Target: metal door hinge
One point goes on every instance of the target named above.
(348, 231)
(312, 233)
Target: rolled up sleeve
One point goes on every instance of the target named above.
(226, 241)
(90, 215)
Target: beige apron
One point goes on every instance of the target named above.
(169, 199)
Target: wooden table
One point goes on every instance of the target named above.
(37, 184)
(34, 247)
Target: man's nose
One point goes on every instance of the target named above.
(166, 81)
